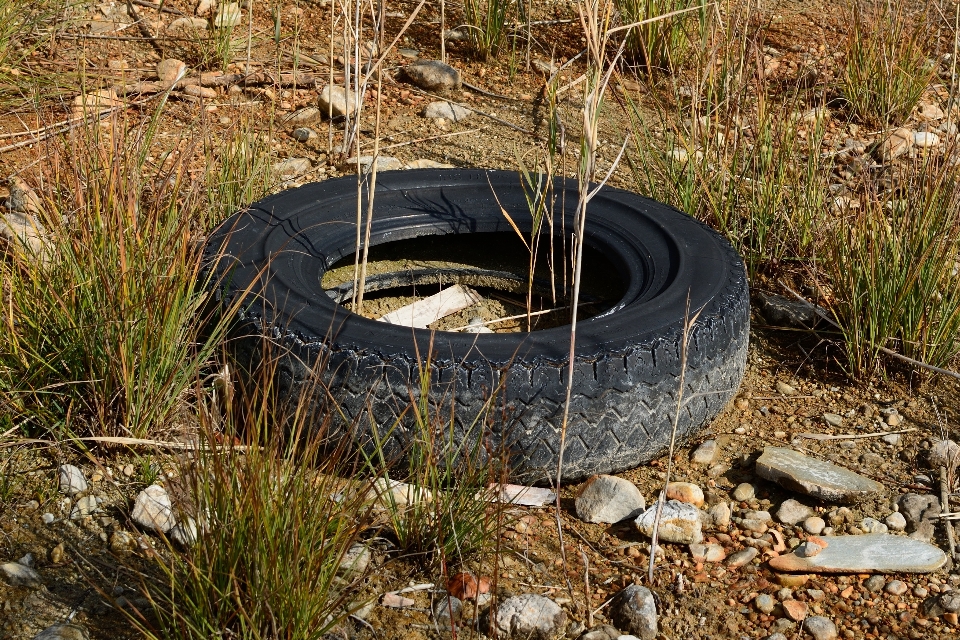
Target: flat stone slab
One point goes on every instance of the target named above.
(817, 478)
(872, 553)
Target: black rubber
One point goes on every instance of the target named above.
(628, 359)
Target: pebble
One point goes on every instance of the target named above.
(795, 609)
(608, 499)
(18, 575)
(187, 26)
(185, 532)
(128, 470)
(432, 75)
(892, 439)
(791, 512)
(744, 491)
(707, 552)
(765, 603)
(925, 139)
(896, 588)
(169, 70)
(943, 453)
(899, 143)
(777, 636)
(48, 518)
(720, 514)
(685, 492)
(921, 514)
(393, 494)
(334, 99)
(384, 163)
(874, 583)
(920, 591)
(355, 561)
(85, 506)
(195, 90)
(71, 480)
(814, 525)
(447, 611)
(820, 628)
(57, 553)
(818, 478)
(871, 553)
(808, 549)
(870, 525)
(447, 111)
(63, 632)
(153, 509)
(706, 454)
(95, 101)
(679, 522)
(833, 419)
(303, 134)
(290, 168)
(205, 7)
(634, 610)
(306, 115)
(228, 15)
(785, 389)
(528, 616)
(741, 558)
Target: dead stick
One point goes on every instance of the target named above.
(159, 7)
(945, 505)
(857, 436)
(428, 138)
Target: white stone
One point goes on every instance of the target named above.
(195, 90)
(791, 512)
(706, 453)
(291, 168)
(943, 453)
(720, 514)
(679, 522)
(423, 163)
(18, 575)
(228, 16)
(814, 525)
(895, 521)
(744, 491)
(187, 26)
(153, 509)
(608, 499)
(71, 480)
(528, 616)
(63, 632)
(393, 493)
(170, 70)
(926, 139)
(384, 163)
(85, 506)
(820, 628)
(446, 110)
(185, 533)
(205, 7)
(871, 525)
(356, 560)
(334, 99)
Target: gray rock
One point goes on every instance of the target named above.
(303, 134)
(634, 610)
(48, 518)
(720, 514)
(600, 632)
(765, 603)
(528, 616)
(814, 525)
(608, 499)
(291, 168)
(820, 628)
(791, 512)
(384, 163)
(22, 227)
(71, 480)
(874, 583)
(306, 115)
(63, 632)
(895, 521)
(893, 439)
(153, 509)
(943, 453)
(432, 75)
(446, 110)
(679, 522)
(447, 611)
(356, 560)
(744, 491)
(871, 553)
(937, 605)
(896, 588)
(706, 454)
(787, 312)
(871, 525)
(170, 70)
(833, 419)
(187, 26)
(185, 532)
(921, 513)
(823, 480)
(776, 636)
(85, 506)
(925, 139)
(334, 99)
(742, 558)
(228, 15)
(27, 560)
(18, 575)
(707, 552)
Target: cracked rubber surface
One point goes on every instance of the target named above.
(628, 360)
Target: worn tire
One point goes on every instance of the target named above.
(628, 360)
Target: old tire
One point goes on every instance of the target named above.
(628, 361)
